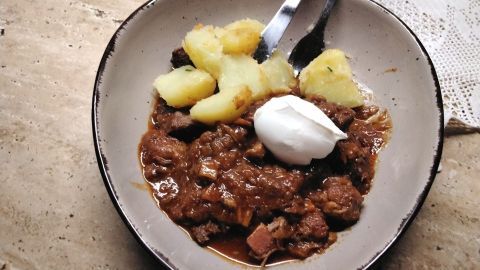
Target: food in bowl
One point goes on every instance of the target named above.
(259, 165)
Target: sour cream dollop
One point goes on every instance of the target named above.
(295, 130)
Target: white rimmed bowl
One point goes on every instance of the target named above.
(384, 54)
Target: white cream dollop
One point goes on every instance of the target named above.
(296, 131)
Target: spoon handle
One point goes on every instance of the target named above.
(273, 32)
(319, 28)
(312, 44)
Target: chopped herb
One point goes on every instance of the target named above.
(329, 68)
(187, 69)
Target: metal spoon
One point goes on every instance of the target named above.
(273, 32)
(311, 45)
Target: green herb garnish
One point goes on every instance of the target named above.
(329, 68)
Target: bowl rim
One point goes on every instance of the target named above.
(103, 164)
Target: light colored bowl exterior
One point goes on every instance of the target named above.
(374, 39)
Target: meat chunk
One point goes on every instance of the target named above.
(368, 135)
(313, 225)
(164, 154)
(277, 181)
(351, 150)
(176, 123)
(204, 232)
(168, 119)
(303, 249)
(280, 228)
(342, 116)
(358, 152)
(261, 241)
(220, 145)
(180, 121)
(296, 206)
(340, 199)
(365, 112)
(256, 151)
(180, 58)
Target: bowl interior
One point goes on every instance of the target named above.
(384, 55)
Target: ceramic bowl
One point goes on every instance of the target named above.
(384, 54)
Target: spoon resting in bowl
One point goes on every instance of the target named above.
(313, 44)
(273, 32)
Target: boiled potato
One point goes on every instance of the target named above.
(329, 75)
(238, 70)
(224, 106)
(184, 86)
(279, 72)
(241, 36)
(204, 48)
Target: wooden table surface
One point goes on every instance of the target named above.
(54, 210)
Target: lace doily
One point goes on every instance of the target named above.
(450, 31)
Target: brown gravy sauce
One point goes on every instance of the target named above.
(232, 244)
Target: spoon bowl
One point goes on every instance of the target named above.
(311, 45)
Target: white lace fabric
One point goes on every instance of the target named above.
(450, 31)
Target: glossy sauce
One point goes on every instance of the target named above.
(232, 244)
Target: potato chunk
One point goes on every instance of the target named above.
(238, 70)
(224, 106)
(241, 36)
(204, 49)
(329, 75)
(279, 73)
(184, 86)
